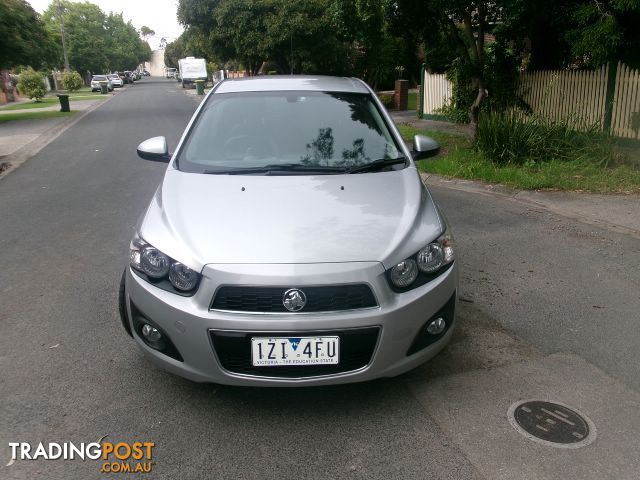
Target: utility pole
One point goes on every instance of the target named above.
(64, 44)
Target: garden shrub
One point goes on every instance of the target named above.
(72, 81)
(518, 138)
(31, 84)
(387, 100)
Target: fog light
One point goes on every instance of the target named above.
(150, 333)
(437, 326)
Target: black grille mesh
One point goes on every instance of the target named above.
(269, 299)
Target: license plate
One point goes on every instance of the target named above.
(278, 351)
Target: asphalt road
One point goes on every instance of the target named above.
(560, 285)
(533, 284)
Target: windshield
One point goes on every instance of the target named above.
(313, 130)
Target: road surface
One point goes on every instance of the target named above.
(549, 309)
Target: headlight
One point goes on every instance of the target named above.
(182, 277)
(424, 266)
(404, 273)
(160, 269)
(430, 258)
(154, 263)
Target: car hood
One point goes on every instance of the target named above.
(199, 219)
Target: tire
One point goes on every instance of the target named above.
(122, 305)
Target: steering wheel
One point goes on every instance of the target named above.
(250, 146)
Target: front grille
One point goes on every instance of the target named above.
(356, 349)
(269, 299)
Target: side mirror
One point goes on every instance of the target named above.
(424, 147)
(154, 149)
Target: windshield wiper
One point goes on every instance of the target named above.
(377, 165)
(277, 167)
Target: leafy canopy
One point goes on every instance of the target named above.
(24, 38)
(96, 42)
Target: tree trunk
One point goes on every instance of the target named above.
(474, 111)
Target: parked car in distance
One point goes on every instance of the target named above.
(171, 73)
(124, 77)
(116, 80)
(95, 83)
(146, 74)
(291, 242)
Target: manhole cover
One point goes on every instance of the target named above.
(552, 423)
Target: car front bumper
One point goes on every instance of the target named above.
(189, 323)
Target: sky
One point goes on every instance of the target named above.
(158, 15)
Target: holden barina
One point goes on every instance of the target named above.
(291, 241)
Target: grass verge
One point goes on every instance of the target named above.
(8, 117)
(459, 159)
(48, 101)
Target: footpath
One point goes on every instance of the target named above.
(22, 138)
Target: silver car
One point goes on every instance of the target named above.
(97, 79)
(291, 241)
(115, 80)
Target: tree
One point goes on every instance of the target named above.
(577, 33)
(25, 40)
(295, 35)
(362, 23)
(96, 42)
(146, 32)
(467, 22)
(84, 33)
(173, 52)
(462, 24)
(31, 84)
(125, 49)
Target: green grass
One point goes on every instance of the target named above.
(459, 159)
(412, 101)
(33, 115)
(447, 141)
(48, 101)
(82, 90)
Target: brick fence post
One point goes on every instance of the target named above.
(401, 96)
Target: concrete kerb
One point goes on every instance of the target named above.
(588, 208)
(32, 148)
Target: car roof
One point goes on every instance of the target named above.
(270, 83)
